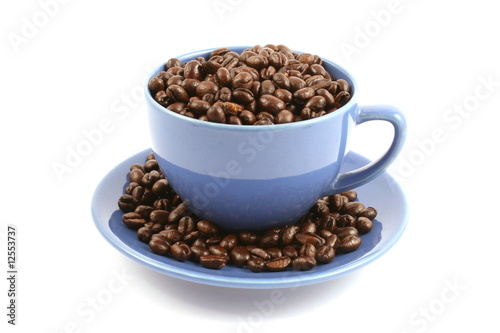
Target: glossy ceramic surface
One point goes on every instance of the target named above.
(255, 177)
(383, 193)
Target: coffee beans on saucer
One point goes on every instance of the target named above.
(259, 86)
(161, 219)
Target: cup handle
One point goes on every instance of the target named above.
(365, 174)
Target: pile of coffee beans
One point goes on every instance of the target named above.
(163, 220)
(259, 86)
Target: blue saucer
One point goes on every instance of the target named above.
(383, 193)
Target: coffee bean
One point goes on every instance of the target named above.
(216, 114)
(271, 104)
(239, 255)
(303, 263)
(349, 244)
(144, 234)
(206, 87)
(193, 70)
(325, 254)
(278, 264)
(368, 212)
(126, 203)
(364, 225)
(247, 117)
(284, 116)
(213, 261)
(309, 238)
(158, 246)
(197, 252)
(247, 237)
(256, 264)
(133, 220)
(302, 95)
(180, 251)
(207, 228)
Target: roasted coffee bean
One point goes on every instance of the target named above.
(346, 220)
(239, 255)
(271, 104)
(144, 211)
(257, 61)
(320, 208)
(232, 108)
(243, 96)
(269, 239)
(229, 242)
(275, 252)
(160, 187)
(177, 107)
(186, 225)
(364, 225)
(217, 250)
(177, 93)
(247, 238)
(247, 117)
(349, 244)
(213, 261)
(353, 208)
(288, 234)
(156, 84)
(180, 251)
(172, 235)
(207, 228)
(368, 212)
(325, 254)
(302, 95)
(216, 114)
(197, 252)
(316, 103)
(337, 202)
(193, 70)
(133, 220)
(285, 95)
(176, 214)
(346, 232)
(206, 87)
(150, 178)
(307, 249)
(159, 246)
(290, 251)
(267, 87)
(313, 239)
(144, 234)
(296, 83)
(303, 263)
(136, 175)
(256, 264)
(159, 216)
(278, 264)
(126, 203)
(260, 252)
(284, 116)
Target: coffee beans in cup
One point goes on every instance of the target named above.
(259, 86)
(161, 219)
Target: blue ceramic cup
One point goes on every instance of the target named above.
(257, 177)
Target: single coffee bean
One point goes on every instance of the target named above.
(193, 70)
(353, 208)
(172, 235)
(243, 96)
(307, 249)
(229, 241)
(160, 187)
(207, 228)
(260, 252)
(364, 225)
(325, 254)
(213, 261)
(349, 244)
(150, 178)
(156, 84)
(178, 93)
(247, 117)
(271, 104)
(256, 264)
(232, 108)
(239, 255)
(180, 251)
(144, 211)
(247, 238)
(368, 212)
(133, 220)
(309, 238)
(278, 264)
(144, 234)
(177, 213)
(345, 232)
(284, 116)
(136, 175)
(288, 234)
(267, 87)
(158, 246)
(216, 114)
(346, 220)
(303, 263)
(206, 87)
(302, 95)
(126, 203)
(290, 251)
(197, 252)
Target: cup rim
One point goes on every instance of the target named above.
(309, 122)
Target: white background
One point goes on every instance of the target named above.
(81, 60)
